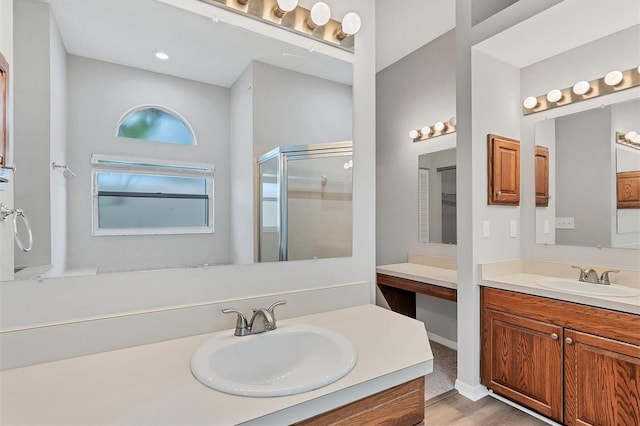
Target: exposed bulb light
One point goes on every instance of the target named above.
(414, 134)
(439, 126)
(351, 24)
(631, 136)
(425, 131)
(530, 102)
(163, 56)
(636, 139)
(319, 15)
(613, 78)
(581, 88)
(283, 6)
(453, 122)
(554, 95)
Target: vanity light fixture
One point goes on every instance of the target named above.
(283, 6)
(613, 78)
(314, 23)
(614, 81)
(581, 88)
(438, 129)
(319, 15)
(630, 139)
(159, 54)
(351, 24)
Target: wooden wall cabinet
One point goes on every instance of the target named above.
(542, 176)
(575, 364)
(628, 189)
(504, 170)
(4, 115)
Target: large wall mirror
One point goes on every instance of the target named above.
(135, 121)
(585, 159)
(437, 197)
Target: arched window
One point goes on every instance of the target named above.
(158, 124)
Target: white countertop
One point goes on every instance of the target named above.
(441, 277)
(526, 283)
(153, 384)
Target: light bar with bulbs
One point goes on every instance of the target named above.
(614, 81)
(631, 139)
(438, 129)
(315, 23)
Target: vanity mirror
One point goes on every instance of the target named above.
(437, 197)
(584, 160)
(162, 114)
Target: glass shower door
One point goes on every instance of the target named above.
(269, 227)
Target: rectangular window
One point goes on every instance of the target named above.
(135, 197)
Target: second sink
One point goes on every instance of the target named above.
(578, 287)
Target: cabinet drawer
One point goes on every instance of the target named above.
(602, 322)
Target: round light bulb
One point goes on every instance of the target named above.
(161, 55)
(414, 134)
(346, 166)
(425, 131)
(453, 122)
(554, 95)
(351, 23)
(630, 136)
(530, 102)
(636, 139)
(287, 5)
(439, 126)
(613, 78)
(581, 87)
(320, 14)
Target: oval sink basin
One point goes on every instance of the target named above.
(578, 287)
(292, 359)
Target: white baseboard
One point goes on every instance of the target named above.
(474, 393)
(443, 341)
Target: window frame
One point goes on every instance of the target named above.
(129, 164)
(168, 110)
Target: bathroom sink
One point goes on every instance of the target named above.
(292, 359)
(578, 287)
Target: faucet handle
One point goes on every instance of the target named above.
(272, 307)
(604, 278)
(582, 272)
(241, 322)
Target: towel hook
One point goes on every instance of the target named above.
(66, 170)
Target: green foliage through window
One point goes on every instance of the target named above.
(155, 124)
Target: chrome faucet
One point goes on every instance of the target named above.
(591, 276)
(263, 319)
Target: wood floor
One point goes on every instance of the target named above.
(458, 410)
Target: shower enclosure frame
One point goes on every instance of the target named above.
(284, 154)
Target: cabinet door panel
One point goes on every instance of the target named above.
(522, 360)
(504, 170)
(602, 381)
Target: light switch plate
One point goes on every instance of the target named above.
(546, 226)
(513, 229)
(486, 231)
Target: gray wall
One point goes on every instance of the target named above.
(583, 169)
(32, 124)
(417, 90)
(99, 94)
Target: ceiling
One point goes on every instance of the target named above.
(127, 32)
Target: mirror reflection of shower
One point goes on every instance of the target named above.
(437, 197)
(305, 202)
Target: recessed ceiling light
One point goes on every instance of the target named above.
(161, 55)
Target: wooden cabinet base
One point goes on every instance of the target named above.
(401, 405)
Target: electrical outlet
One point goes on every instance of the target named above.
(564, 223)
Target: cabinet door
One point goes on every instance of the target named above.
(602, 381)
(542, 176)
(504, 170)
(522, 360)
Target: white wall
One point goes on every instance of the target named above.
(417, 90)
(587, 62)
(92, 127)
(75, 299)
(6, 195)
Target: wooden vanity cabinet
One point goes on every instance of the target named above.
(576, 364)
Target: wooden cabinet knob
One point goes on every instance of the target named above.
(554, 336)
(569, 341)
